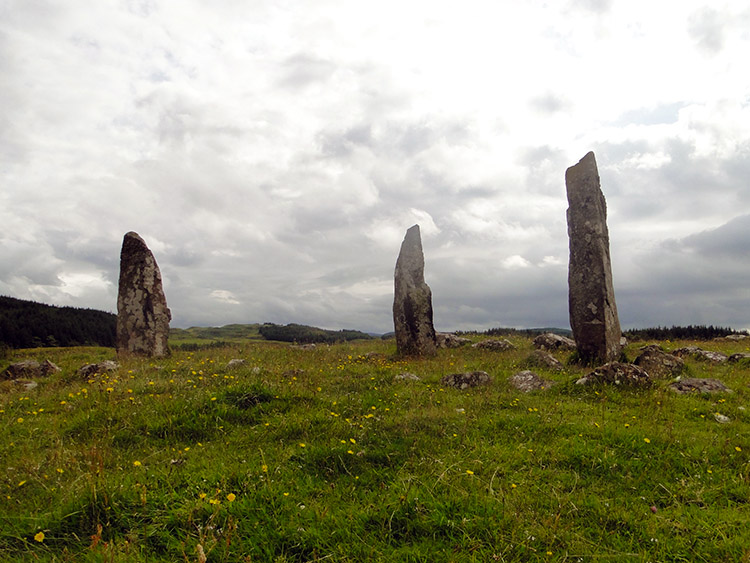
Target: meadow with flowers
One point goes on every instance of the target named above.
(322, 455)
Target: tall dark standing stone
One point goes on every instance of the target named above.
(412, 303)
(142, 313)
(593, 312)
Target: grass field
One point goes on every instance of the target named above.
(319, 455)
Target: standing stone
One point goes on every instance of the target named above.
(412, 303)
(593, 312)
(142, 313)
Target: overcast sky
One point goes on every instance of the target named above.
(272, 154)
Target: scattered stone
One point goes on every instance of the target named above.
(733, 337)
(739, 357)
(406, 376)
(542, 359)
(658, 363)
(700, 354)
(617, 373)
(494, 344)
(552, 341)
(528, 381)
(29, 369)
(465, 380)
(235, 363)
(412, 301)
(698, 385)
(593, 312)
(450, 340)
(293, 373)
(26, 384)
(142, 313)
(721, 419)
(310, 346)
(90, 370)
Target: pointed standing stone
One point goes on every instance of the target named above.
(412, 303)
(593, 312)
(142, 313)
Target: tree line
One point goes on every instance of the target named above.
(304, 334)
(27, 324)
(690, 332)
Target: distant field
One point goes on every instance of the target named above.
(320, 455)
(206, 335)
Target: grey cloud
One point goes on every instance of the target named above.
(549, 103)
(707, 27)
(731, 240)
(302, 70)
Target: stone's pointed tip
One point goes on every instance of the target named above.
(413, 229)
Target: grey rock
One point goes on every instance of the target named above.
(494, 344)
(617, 373)
(739, 357)
(235, 363)
(406, 376)
(412, 301)
(552, 341)
(528, 381)
(700, 354)
(721, 418)
(142, 313)
(542, 359)
(310, 346)
(29, 369)
(466, 380)
(90, 370)
(658, 363)
(450, 340)
(593, 312)
(698, 385)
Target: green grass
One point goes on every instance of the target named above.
(328, 458)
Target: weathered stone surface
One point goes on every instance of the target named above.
(593, 312)
(698, 385)
(412, 302)
(617, 373)
(142, 313)
(465, 380)
(90, 370)
(739, 357)
(450, 340)
(406, 376)
(700, 354)
(29, 368)
(528, 381)
(235, 363)
(542, 359)
(552, 341)
(658, 363)
(494, 344)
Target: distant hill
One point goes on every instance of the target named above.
(27, 324)
(308, 334)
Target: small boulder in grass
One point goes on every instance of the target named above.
(617, 373)
(700, 354)
(90, 370)
(495, 345)
(659, 363)
(528, 381)
(466, 380)
(406, 376)
(235, 363)
(29, 369)
(699, 385)
(552, 341)
(542, 359)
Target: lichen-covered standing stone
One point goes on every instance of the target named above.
(593, 312)
(412, 302)
(142, 313)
